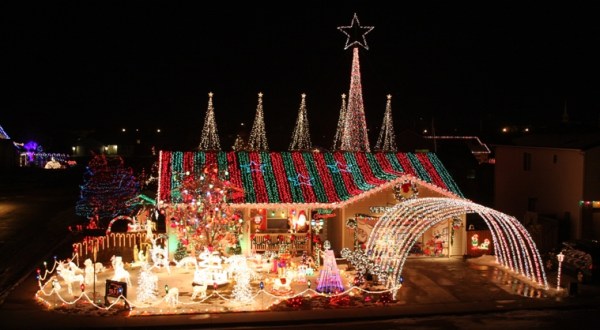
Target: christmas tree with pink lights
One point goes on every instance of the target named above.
(330, 280)
(301, 137)
(355, 137)
(210, 136)
(258, 136)
(387, 139)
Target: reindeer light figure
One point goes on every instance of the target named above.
(68, 275)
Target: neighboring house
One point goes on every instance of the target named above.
(309, 186)
(9, 157)
(551, 177)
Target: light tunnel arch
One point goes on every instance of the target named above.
(401, 226)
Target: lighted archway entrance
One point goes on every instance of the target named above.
(401, 226)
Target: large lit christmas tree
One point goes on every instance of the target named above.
(210, 136)
(301, 137)
(355, 136)
(107, 190)
(258, 136)
(337, 139)
(205, 219)
(386, 141)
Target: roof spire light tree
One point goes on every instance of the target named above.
(301, 136)
(387, 139)
(258, 136)
(355, 137)
(337, 139)
(210, 136)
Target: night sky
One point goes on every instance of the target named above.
(72, 65)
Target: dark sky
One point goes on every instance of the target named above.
(150, 64)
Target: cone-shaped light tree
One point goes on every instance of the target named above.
(337, 139)
(258, 136)
(210, 135)
(355, 135)
(301, 136)
(386, 141)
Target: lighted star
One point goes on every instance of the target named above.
(301, 180)
(253, 167)
(338, 167)
(356, 33)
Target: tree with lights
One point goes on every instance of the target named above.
(301, 136)
(387, 140)
(239, 144)
(355, 137)
(242, 290)
(337, 139)
(107, 190)
(147, 285)
(258, 136)
(210, 137)
(205, 219)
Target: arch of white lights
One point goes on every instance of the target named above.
(401, 226)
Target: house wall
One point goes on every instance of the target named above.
(555, 181)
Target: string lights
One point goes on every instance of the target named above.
(386, 142)
(258, 135)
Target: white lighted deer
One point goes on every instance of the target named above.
(120, 274)
(69, 275)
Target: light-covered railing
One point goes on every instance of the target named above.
(297, 242)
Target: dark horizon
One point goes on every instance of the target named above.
(76, 66)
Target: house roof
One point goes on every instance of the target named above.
(321, 179)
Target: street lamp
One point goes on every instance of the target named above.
(560, 258)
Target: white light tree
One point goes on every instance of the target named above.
(258, 136)
(210, 136)
(301, 136)
(337, 140)
(387, 139)
(147, 289)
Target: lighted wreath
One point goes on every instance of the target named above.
(405, 190)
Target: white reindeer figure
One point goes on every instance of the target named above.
(121, 274)
(172, 297)
(68, 275)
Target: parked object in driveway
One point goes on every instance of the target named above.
(581, 259)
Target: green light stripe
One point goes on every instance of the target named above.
(269, 178)
(356, 172)
(290, 172)
(244, 159)
(416, 164)
(313, 172)
(377, 170)
(336, 177)
(448, 180)
(395, 163)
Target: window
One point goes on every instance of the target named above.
(526, 161)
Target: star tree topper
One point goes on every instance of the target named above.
(356, 33)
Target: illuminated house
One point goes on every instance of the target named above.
(289, 195)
